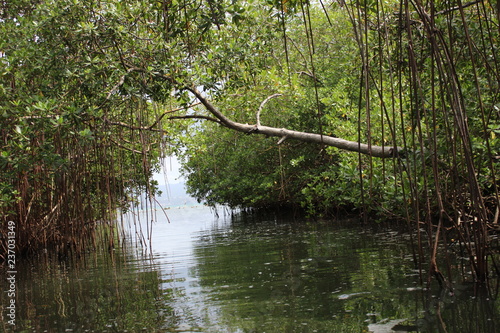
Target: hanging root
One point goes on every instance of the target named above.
(443, 283)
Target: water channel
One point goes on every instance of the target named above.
(203, 273)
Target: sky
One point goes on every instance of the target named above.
(170, 172)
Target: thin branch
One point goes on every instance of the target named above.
(122, 124)
(311, 76)
(149, 128)
(162, 209)
(264, 103)
(282, 139)
(49, 116)
(465, 5)
(171, 111)
(122, 80)
(130, 149)
(119, 123)
(194, 116)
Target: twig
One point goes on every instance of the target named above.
(122, 80)
(171, 111)
(311, 76)
(282, 139)
(194, 116)
(262, 106)
(122, 124)
(150, 128)
(471, 3)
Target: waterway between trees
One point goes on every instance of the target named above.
(203, 273)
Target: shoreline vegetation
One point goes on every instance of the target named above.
(309, 111)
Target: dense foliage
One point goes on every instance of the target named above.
(73, 115)
(246, 171)
(422, 76)
(363, 72)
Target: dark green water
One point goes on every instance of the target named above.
(203, 274)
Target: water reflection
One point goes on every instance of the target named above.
(101, 293)
(244, 274)
(269, 276)
(282, 277)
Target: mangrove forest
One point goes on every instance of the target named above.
(388, 110)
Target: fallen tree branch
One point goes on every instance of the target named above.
(282, 140)
(283, 133)
(372, 150)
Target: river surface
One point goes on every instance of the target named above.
(202, 273)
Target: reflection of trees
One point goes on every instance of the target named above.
(471, 309)
(279, 277)
(102, 293)
(277, 274)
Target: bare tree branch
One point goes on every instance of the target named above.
(264, 103)
(375, 151)
(283, 133)
(130, 149)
